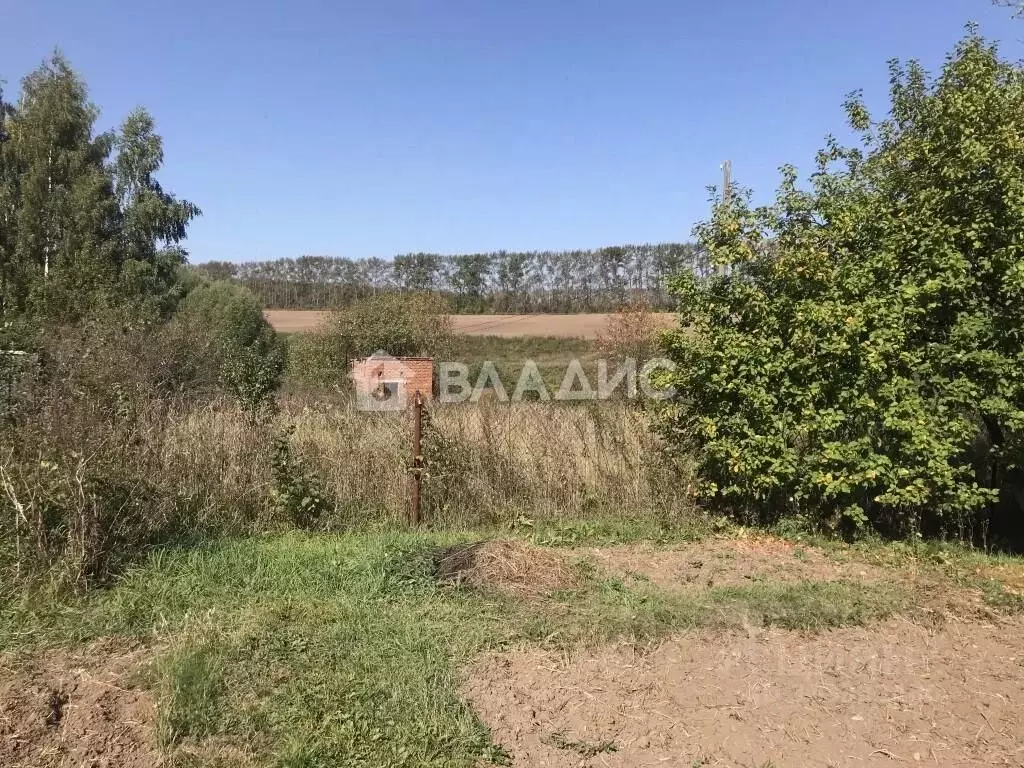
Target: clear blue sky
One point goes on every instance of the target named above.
(384, 126)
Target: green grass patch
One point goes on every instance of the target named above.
(643, 613)
(611, 531)
(997, 575)
(192, 692)
(304, 650)
(509, 354)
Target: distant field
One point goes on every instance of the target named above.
(562, 326)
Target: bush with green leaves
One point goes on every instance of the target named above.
(396, 323)
(857, 359)
(297, 494)
(316, 361)
(399, 324)
(230, 342)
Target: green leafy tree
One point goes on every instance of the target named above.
(860, 361)
(86, 225)
(469, 280)
(63, 214)
(154, 222)
(417, 271)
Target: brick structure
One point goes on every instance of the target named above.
(385, 379)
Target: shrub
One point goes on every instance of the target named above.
(229, 342)
(859, 362)
(316, 361)
(631, 333)
(297, 494)
(397, 323)
(104, 457)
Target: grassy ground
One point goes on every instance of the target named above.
(297, 650)
(509, 353)
(552, 355)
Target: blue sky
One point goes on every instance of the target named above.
(386, 126)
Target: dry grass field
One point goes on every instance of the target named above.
(579, 326)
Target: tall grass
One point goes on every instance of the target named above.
(487, 464)
(499, 463)
(84, 501)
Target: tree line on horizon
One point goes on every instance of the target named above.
(597, 280)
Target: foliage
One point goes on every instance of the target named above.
(101, 458)
(860, 360)
(154, 222)
(400, 325)
(297, 494)
(316, 361)
(77, 487)
(631, 333)
(84, 222)
(230, 342)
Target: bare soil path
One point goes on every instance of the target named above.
(945, 688)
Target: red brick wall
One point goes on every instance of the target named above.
(421, 377)
(416, 372)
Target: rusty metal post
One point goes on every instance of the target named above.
(417, 460)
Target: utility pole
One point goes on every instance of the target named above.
(726, 197)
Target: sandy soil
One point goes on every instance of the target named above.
(896, 693)
(76, 711)
(584, 326)
(727, 562)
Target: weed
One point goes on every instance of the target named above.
(296, 493)
(192, 693)
(558, 740)
(998, 596)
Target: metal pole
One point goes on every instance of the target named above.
(726, 196)
(417, 459)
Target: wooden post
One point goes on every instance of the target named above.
(417, 460)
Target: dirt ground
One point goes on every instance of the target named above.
(581, 326)
(947, 692)
(76, 711)
(896, 693)
(727, 562)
